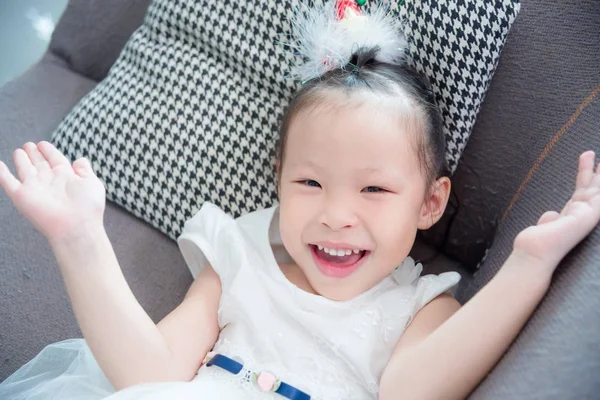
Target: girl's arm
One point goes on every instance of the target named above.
(66, 204)
(449, 362)
(128, 346)
(445, 353)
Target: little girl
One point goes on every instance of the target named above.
(315, 298)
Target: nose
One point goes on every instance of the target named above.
(338, 214)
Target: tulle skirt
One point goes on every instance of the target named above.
(68, 371)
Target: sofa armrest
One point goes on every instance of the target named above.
(557, 355)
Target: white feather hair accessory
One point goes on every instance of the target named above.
(327, 37)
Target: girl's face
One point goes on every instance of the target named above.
(351, 184)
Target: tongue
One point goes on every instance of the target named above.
(342, 261)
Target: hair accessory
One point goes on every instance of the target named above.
(343, 6)
(327, 37)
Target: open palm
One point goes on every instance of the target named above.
(557, 233)
(55, 196)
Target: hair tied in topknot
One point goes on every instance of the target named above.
(327, 37)
(361, 59)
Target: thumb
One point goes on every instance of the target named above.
(83, 168)
(548, 216)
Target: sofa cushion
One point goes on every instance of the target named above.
(189, 111)
(457, 45)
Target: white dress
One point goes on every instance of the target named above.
(328, 349)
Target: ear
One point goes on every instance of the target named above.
(435, 203)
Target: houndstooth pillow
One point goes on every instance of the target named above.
(457, 44)
(189, 111)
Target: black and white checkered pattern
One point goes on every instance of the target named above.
(189, 111)
(457, 44)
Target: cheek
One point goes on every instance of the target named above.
(296, 205)
(289, 197)
(290, 224)
(398, 239)
(395, 234)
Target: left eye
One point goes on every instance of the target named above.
(373, 189)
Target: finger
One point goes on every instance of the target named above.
(37, 159)
(83, 167)
(54, 157)
(598, 169)
(581, 211)
(9, 183)
(25, 168)
(586, 194)
(586, 170)
(548, 216)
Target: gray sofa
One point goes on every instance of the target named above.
(542, 110)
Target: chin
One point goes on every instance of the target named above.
(335, 289)
(331, 293)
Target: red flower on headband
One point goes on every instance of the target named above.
(343, 5)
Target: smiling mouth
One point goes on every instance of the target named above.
(341, 258)
(338, 266)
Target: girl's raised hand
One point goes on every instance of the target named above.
(557, 233)
(55, 196)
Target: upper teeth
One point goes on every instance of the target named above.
(338, 252)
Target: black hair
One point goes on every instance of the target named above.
(364, 72)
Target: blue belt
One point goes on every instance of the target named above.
(264, 380)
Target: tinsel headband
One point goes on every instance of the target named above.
(327, 36)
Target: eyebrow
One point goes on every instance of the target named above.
(370, 170)
(307, 163)
(366, 171)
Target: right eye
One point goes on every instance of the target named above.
(311, 183)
